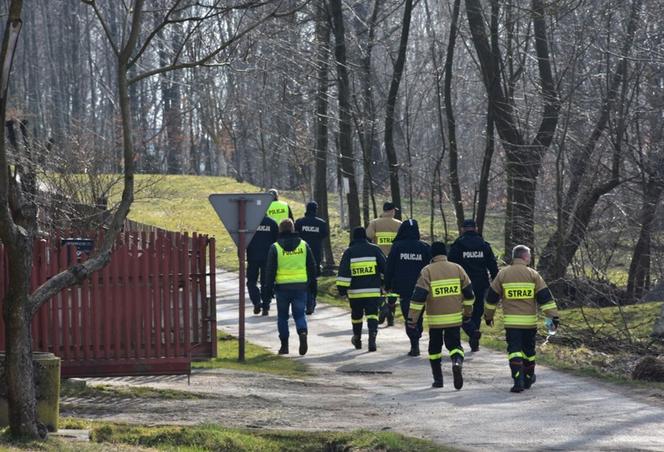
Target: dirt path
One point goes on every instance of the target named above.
(387, 389)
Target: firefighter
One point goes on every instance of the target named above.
(477, 259)
(445, 293)
(313, 230)
(360, 278)
(408, 256)
(278, 210)
(522, 290)
(290, 270)
(265, 236)
(382, 232)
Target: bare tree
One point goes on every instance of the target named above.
(347, 168)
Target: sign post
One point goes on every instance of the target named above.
(241, 213)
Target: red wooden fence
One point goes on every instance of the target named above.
(146, 313)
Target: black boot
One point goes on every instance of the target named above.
(266, 311)
(414, 347)
(257, 309)
(356, 340)
(457, 366)
(284, 346)
(437, 372)
(303, 342)
(528, 374)
(372, 341)
(474, 341)
(516, 366)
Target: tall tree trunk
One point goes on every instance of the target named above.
(17, 238)
(347, 167)
(639, 267)
(321, 130)
(451, 122)
(21, 394)
(367, 123)
(399, 64)
(579, 203)
(523, 160)
(490, 142)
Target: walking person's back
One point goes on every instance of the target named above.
(290, 270)
(382, 231)
(313, 230)
(408, 256)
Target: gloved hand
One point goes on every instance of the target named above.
(556, 322)
(489, 322)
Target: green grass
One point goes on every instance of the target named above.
(180, 203)
(213, 437)
(257, 359)
(107, 436)
(126, 392)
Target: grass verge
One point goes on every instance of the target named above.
(111, 436)
(213, 437)
(126, 392)
(257, 359)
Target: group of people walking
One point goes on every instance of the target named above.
(388, 264)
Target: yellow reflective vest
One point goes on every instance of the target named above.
(278, 211)
(291, 265)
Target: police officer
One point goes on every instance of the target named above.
(265, 236)
(290, 269)
(382, 232)
(477, 259)
(522, 290)
(313, 230)
(445, 293)
(278, 210)
(408, 256)
(360, 278)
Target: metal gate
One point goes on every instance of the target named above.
(147, 312)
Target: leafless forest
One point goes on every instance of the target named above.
(541, 117)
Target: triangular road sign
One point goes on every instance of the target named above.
(227, 207)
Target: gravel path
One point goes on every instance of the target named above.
(389, 390)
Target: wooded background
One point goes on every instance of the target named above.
(546, 116)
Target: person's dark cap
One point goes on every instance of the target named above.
(389, 205)
(438, 249)
(312, 206)
(469, 224)
(359, 233)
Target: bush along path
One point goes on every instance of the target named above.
(391, 390)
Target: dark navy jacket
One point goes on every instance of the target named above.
(408, 256)
(266, 235)
(313, 230)
(475, 256)
(347, 283)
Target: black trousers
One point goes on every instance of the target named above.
(361, 307)
(478, 310)
(521, 350)
(414, 334)
(254, 269)
(451, 337)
